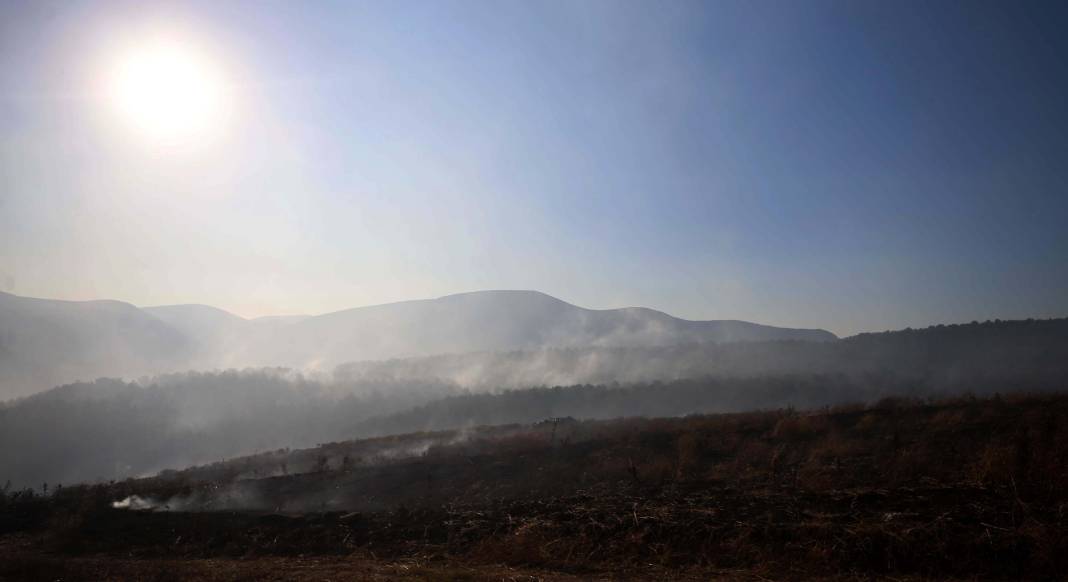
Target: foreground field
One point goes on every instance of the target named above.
(956, 489)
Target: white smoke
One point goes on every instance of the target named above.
(138, 503)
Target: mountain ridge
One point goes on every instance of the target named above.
(118, 339)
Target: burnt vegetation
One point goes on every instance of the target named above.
(963, 487)
(846, 459)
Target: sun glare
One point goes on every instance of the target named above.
(168, 92)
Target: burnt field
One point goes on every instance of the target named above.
(965, 488)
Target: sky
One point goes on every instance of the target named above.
(849, 165)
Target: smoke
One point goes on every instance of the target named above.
(422, 447)
(232, 497)
(137, 503)
(490, 371)
(46, 343)
(314, 483)
(111, 429)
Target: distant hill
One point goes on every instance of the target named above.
(945, 358)
(492, 321)
(46, 342)
(112, 429)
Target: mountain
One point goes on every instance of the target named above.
(492, 321)
(199, 322)
(48, 342)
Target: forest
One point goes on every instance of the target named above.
(111, 429)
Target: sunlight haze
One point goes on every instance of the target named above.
(533, 290)
(745, 160)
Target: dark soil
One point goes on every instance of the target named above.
(959, 489)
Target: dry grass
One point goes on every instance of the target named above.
(963, 488)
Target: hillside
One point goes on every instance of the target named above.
(114, 429)
(44, 343)
(956, 489)
(940, 359)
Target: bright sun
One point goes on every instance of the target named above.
(169, 92)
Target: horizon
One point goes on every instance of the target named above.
(540, 289)
(535, 291)
(855, 167)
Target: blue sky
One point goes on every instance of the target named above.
(848, 165)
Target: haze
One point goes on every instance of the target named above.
(541, 289)
(846, 166)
